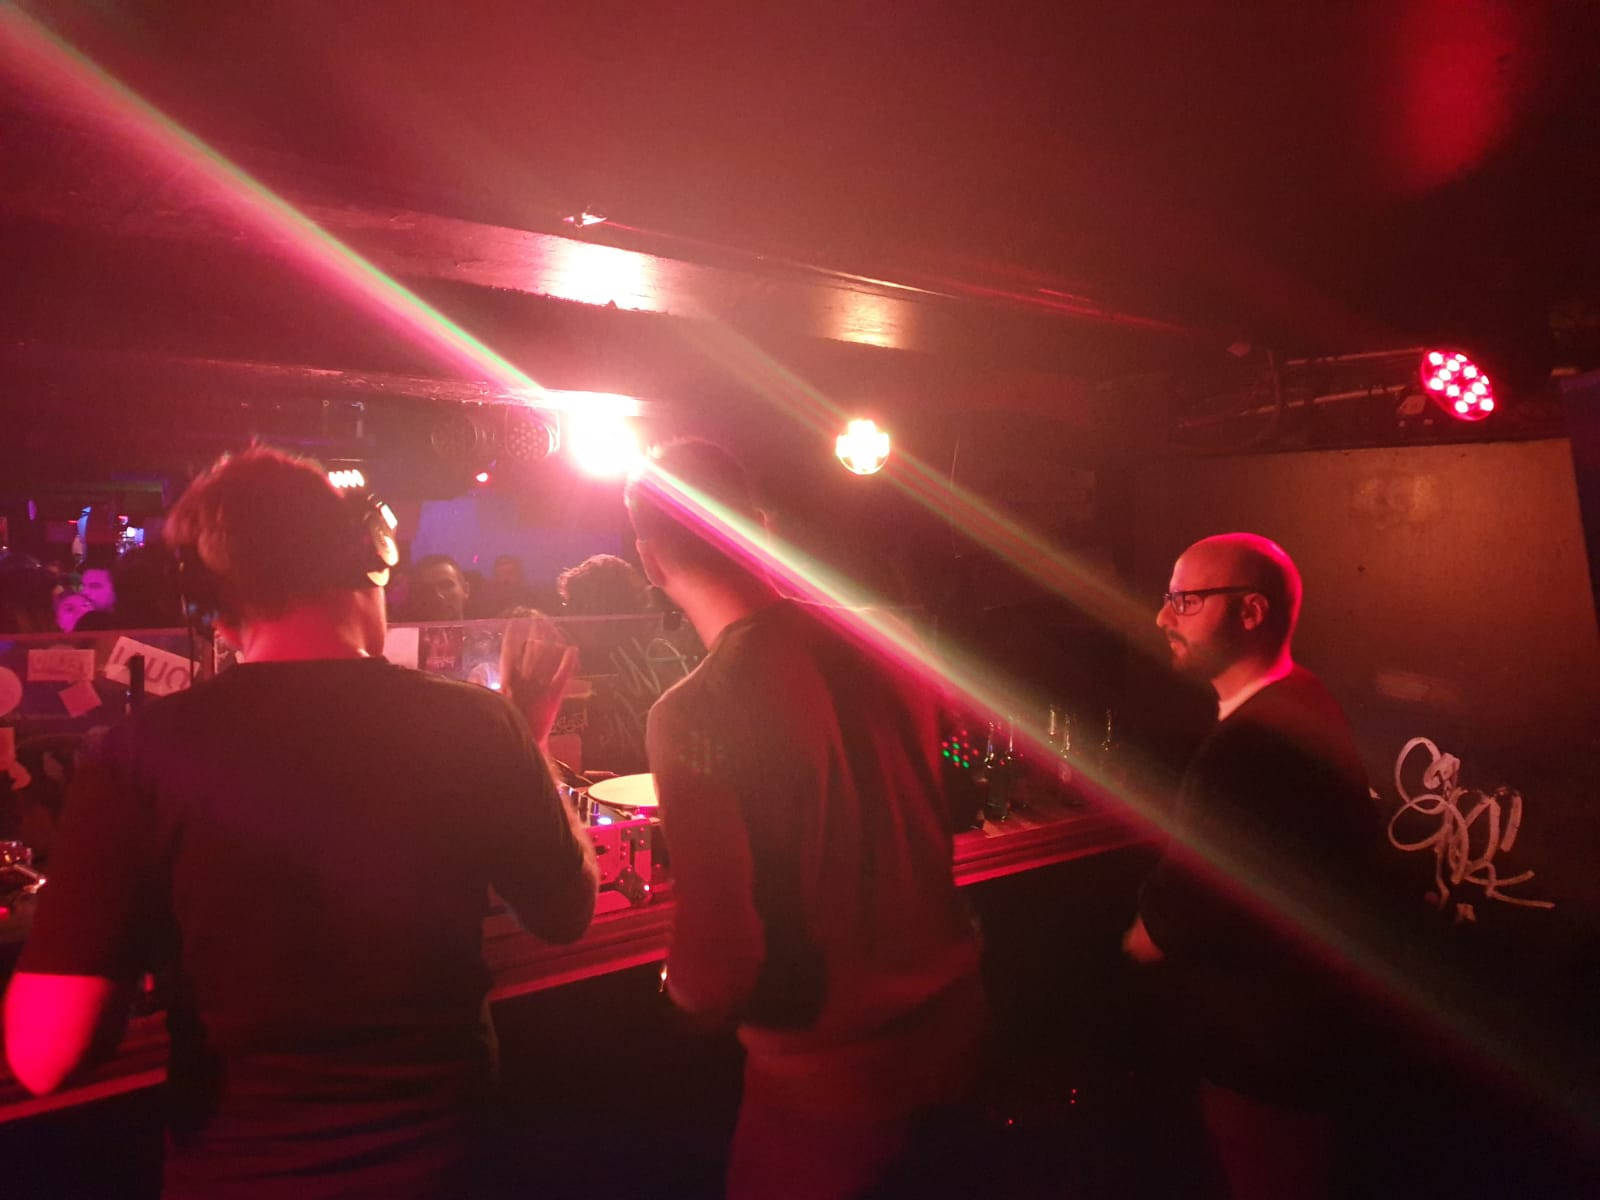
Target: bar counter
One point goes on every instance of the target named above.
(621, 936)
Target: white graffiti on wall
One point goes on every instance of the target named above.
(1467, 827)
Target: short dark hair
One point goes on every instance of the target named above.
(602, 585)
(269, 526)
(708, 471)
(438, 560)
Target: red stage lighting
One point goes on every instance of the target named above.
(1457, 383)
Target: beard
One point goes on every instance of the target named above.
(1206, 658)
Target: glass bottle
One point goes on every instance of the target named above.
(999, 770)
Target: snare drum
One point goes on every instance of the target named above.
(625, 797)
(626, 834)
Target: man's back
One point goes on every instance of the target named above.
(819, 761)
(311, 844)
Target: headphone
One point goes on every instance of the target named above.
(363, 554)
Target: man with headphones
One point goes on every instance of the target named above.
(306, 843)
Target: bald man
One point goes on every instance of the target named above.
(1275, 830)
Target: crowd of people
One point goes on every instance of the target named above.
(333, 1042)
(91, 592)
(436, 588)
(139, 590)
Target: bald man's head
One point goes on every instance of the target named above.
(1246, 592)
(1266, 566)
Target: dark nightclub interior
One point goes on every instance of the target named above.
(1001, 307)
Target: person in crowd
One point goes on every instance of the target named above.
(309, 873)
(70, 607)
(1274, 824)
(602, 585)
(99, 585)
(798, 774)
(438, 590)
(609, 651)
(506, 588)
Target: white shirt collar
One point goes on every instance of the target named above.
(1226, 708)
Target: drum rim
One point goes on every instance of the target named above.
(599, 798)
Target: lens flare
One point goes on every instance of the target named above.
(601, 440)
(863, 448)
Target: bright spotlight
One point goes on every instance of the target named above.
(481, 478)
(863, 448)
(1457, 384)
(347, 479)
(601, 440)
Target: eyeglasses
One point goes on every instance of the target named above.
(1186, 604)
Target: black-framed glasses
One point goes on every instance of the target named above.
(1187, 603)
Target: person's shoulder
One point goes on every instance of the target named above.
(175, 710)
(427, 690)
(1296, 715)
(685, 701)
(1299, 693)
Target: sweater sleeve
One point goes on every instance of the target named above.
(718, 942)
(541, 862)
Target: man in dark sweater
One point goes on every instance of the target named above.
(306, 845)
(1276, 835)
(800, 788)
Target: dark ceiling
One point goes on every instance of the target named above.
(1313, 173)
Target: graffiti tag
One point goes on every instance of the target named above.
(1467, 827)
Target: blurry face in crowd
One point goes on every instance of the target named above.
(97, 588)
(438, 593)
(69, 607)
(1204, 643)
(507, 570)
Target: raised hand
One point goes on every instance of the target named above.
(535, 664)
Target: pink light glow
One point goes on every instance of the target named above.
(863, 448)
(1460, 380)
(600, 438)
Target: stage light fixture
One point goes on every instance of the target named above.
(347, 478)
(525, 436)
(863, 448)
(601, 440)
(1457, 384)
(481, 478)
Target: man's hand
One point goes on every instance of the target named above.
(535, 664)
(1136, 944)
